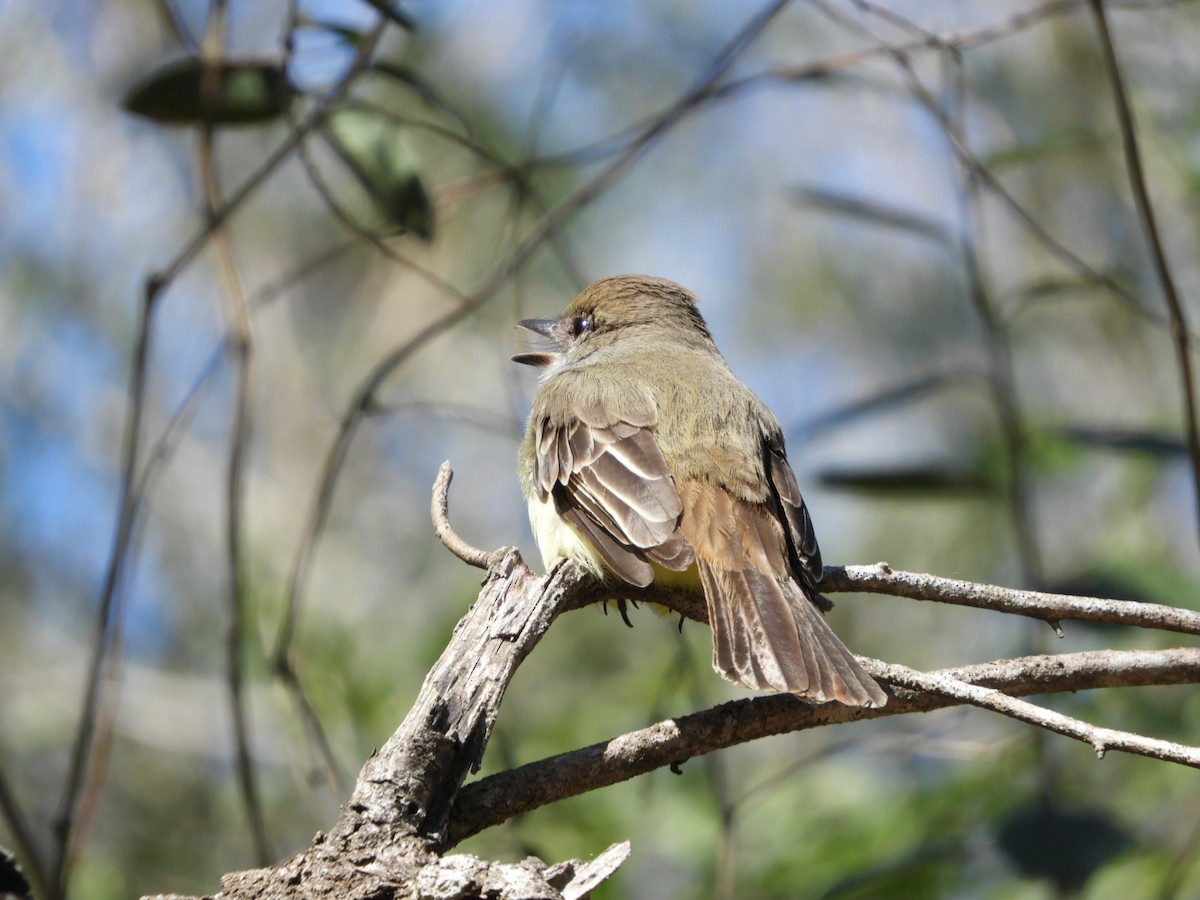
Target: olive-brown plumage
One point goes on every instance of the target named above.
(645, 456)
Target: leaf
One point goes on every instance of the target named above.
(874, 213)
(375, 149)
(928, 480)
(1128, 579)
(889, 399)
(1067, 846)
(1150, 443)
(1056, 143)
(1096, 584)
(187, 92)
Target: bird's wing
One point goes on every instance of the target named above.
(608, 478)
(802, 539)
(758, 563)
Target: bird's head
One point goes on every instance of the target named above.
(611, 310)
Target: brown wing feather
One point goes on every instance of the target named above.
(627, 564)
(609, 479)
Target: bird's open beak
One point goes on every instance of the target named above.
(541, 358)
(544, 327)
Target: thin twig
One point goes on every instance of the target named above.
(163, 449)
(882, 579)
(1101, 739)
(1162, 267)
(107, 619)
(242, 350)
(235, 496)
(612, 144)
(440, 511)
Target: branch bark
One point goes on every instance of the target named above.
(390, 835)
(499, 797)
(1053, 608)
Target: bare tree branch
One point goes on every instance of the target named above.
(1101, 739)
(242, 350)
(1180, 333)
(882, 579)
(497, 798)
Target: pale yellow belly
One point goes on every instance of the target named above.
(557, 538)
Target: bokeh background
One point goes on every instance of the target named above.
(911, 229)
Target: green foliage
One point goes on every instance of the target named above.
(376, 150)
(191, 92)
(1066, 846)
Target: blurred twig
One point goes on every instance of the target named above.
(876, 213)
(1180, 333)
(957, 42)
(1001, 380)
(107, 618)
(888, 399)
(164, 446)
(242, 350)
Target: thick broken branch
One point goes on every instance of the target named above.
(391, 832)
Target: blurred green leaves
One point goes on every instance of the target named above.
(1066, 846)
(375, 149)
(926, 480)
(372, 145)
(230, 92)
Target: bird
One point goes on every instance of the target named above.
(646, 460)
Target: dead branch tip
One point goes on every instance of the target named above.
(440, 510)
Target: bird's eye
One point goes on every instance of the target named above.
(580, 325)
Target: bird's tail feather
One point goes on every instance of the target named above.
(768, 636)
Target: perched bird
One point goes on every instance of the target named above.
(646, 459)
